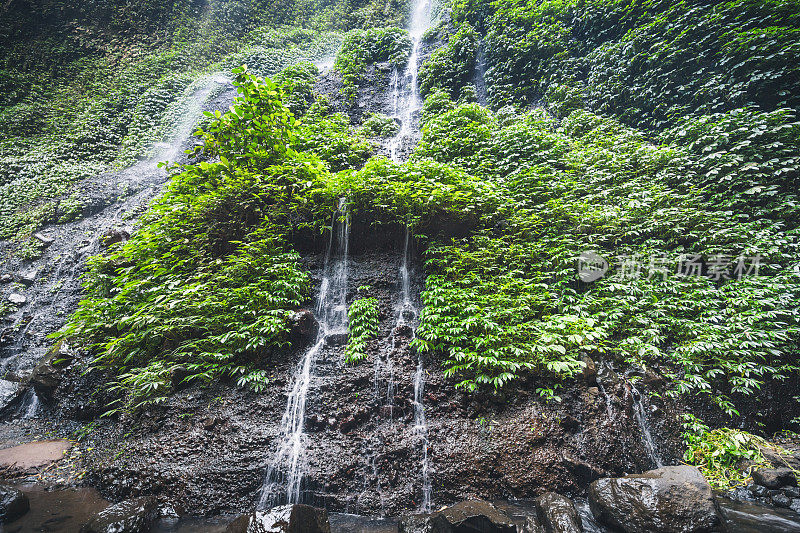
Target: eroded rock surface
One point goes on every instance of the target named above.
(673, 499)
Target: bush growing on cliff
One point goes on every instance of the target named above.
(362, 318)
(208, 281)
(507, 299)
(648, 63)
(726, 457)
(364, 47)
(452, 66)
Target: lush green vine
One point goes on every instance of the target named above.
(363, 326)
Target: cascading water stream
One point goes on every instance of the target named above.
(406, 104)
(406, 99)
(286, 471)
(644, 428)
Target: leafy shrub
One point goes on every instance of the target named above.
(452, 66)
(379, 125)
(506, 300)
(331, 137)
(725, 456)
(364, 47)
(648, 63)
(297, 83)
(208, 281)
(363, 326)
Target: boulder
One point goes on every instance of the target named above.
(17, 298)
(44, 239)
(113, 236)
(781, 458)
(303, 327)
(558, 513)
(28, 277)
(45, 379)
(10, 392)
(589, 373)
(742, 517)
(284, 519)
(13, 504)
(414, 523)
(673, 499)
(130, 516)
(178, 377)
(774, 478)
(472, 516)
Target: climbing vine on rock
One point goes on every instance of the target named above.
(362, 318)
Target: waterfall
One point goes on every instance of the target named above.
(406, 100)
(421, 429)
(644, 428)
(285, 473)
(406, 105)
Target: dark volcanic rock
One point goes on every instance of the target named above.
(742, 517)
(113, 236)
(673, 499)
(130, 516)
(415, 523)
(558, 513)
(304, 327)
(472, 516)
(774, 478)
(13, 504)
(283, 519)
(45, 377)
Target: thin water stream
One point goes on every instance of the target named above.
(284, 477)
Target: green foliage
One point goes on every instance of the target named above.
(297, 83)
(379, 125)
(450, 67)
(208, 281)
(362, 318)
(725, 456)
(647, 62)
(506, 299)
(364, 47)
(333, 139)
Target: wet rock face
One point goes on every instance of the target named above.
(474, 516)
(283, 519)
(558, 513)
(673, 499)
(13, 504)
(130, 516)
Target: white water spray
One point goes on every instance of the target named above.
(286, 471)
(406, 101)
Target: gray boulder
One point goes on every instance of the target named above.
(13, 504)
(130, 516)
(673, 499)
(45, 377)
(472, 516)
(558, 513)
(284, 519)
